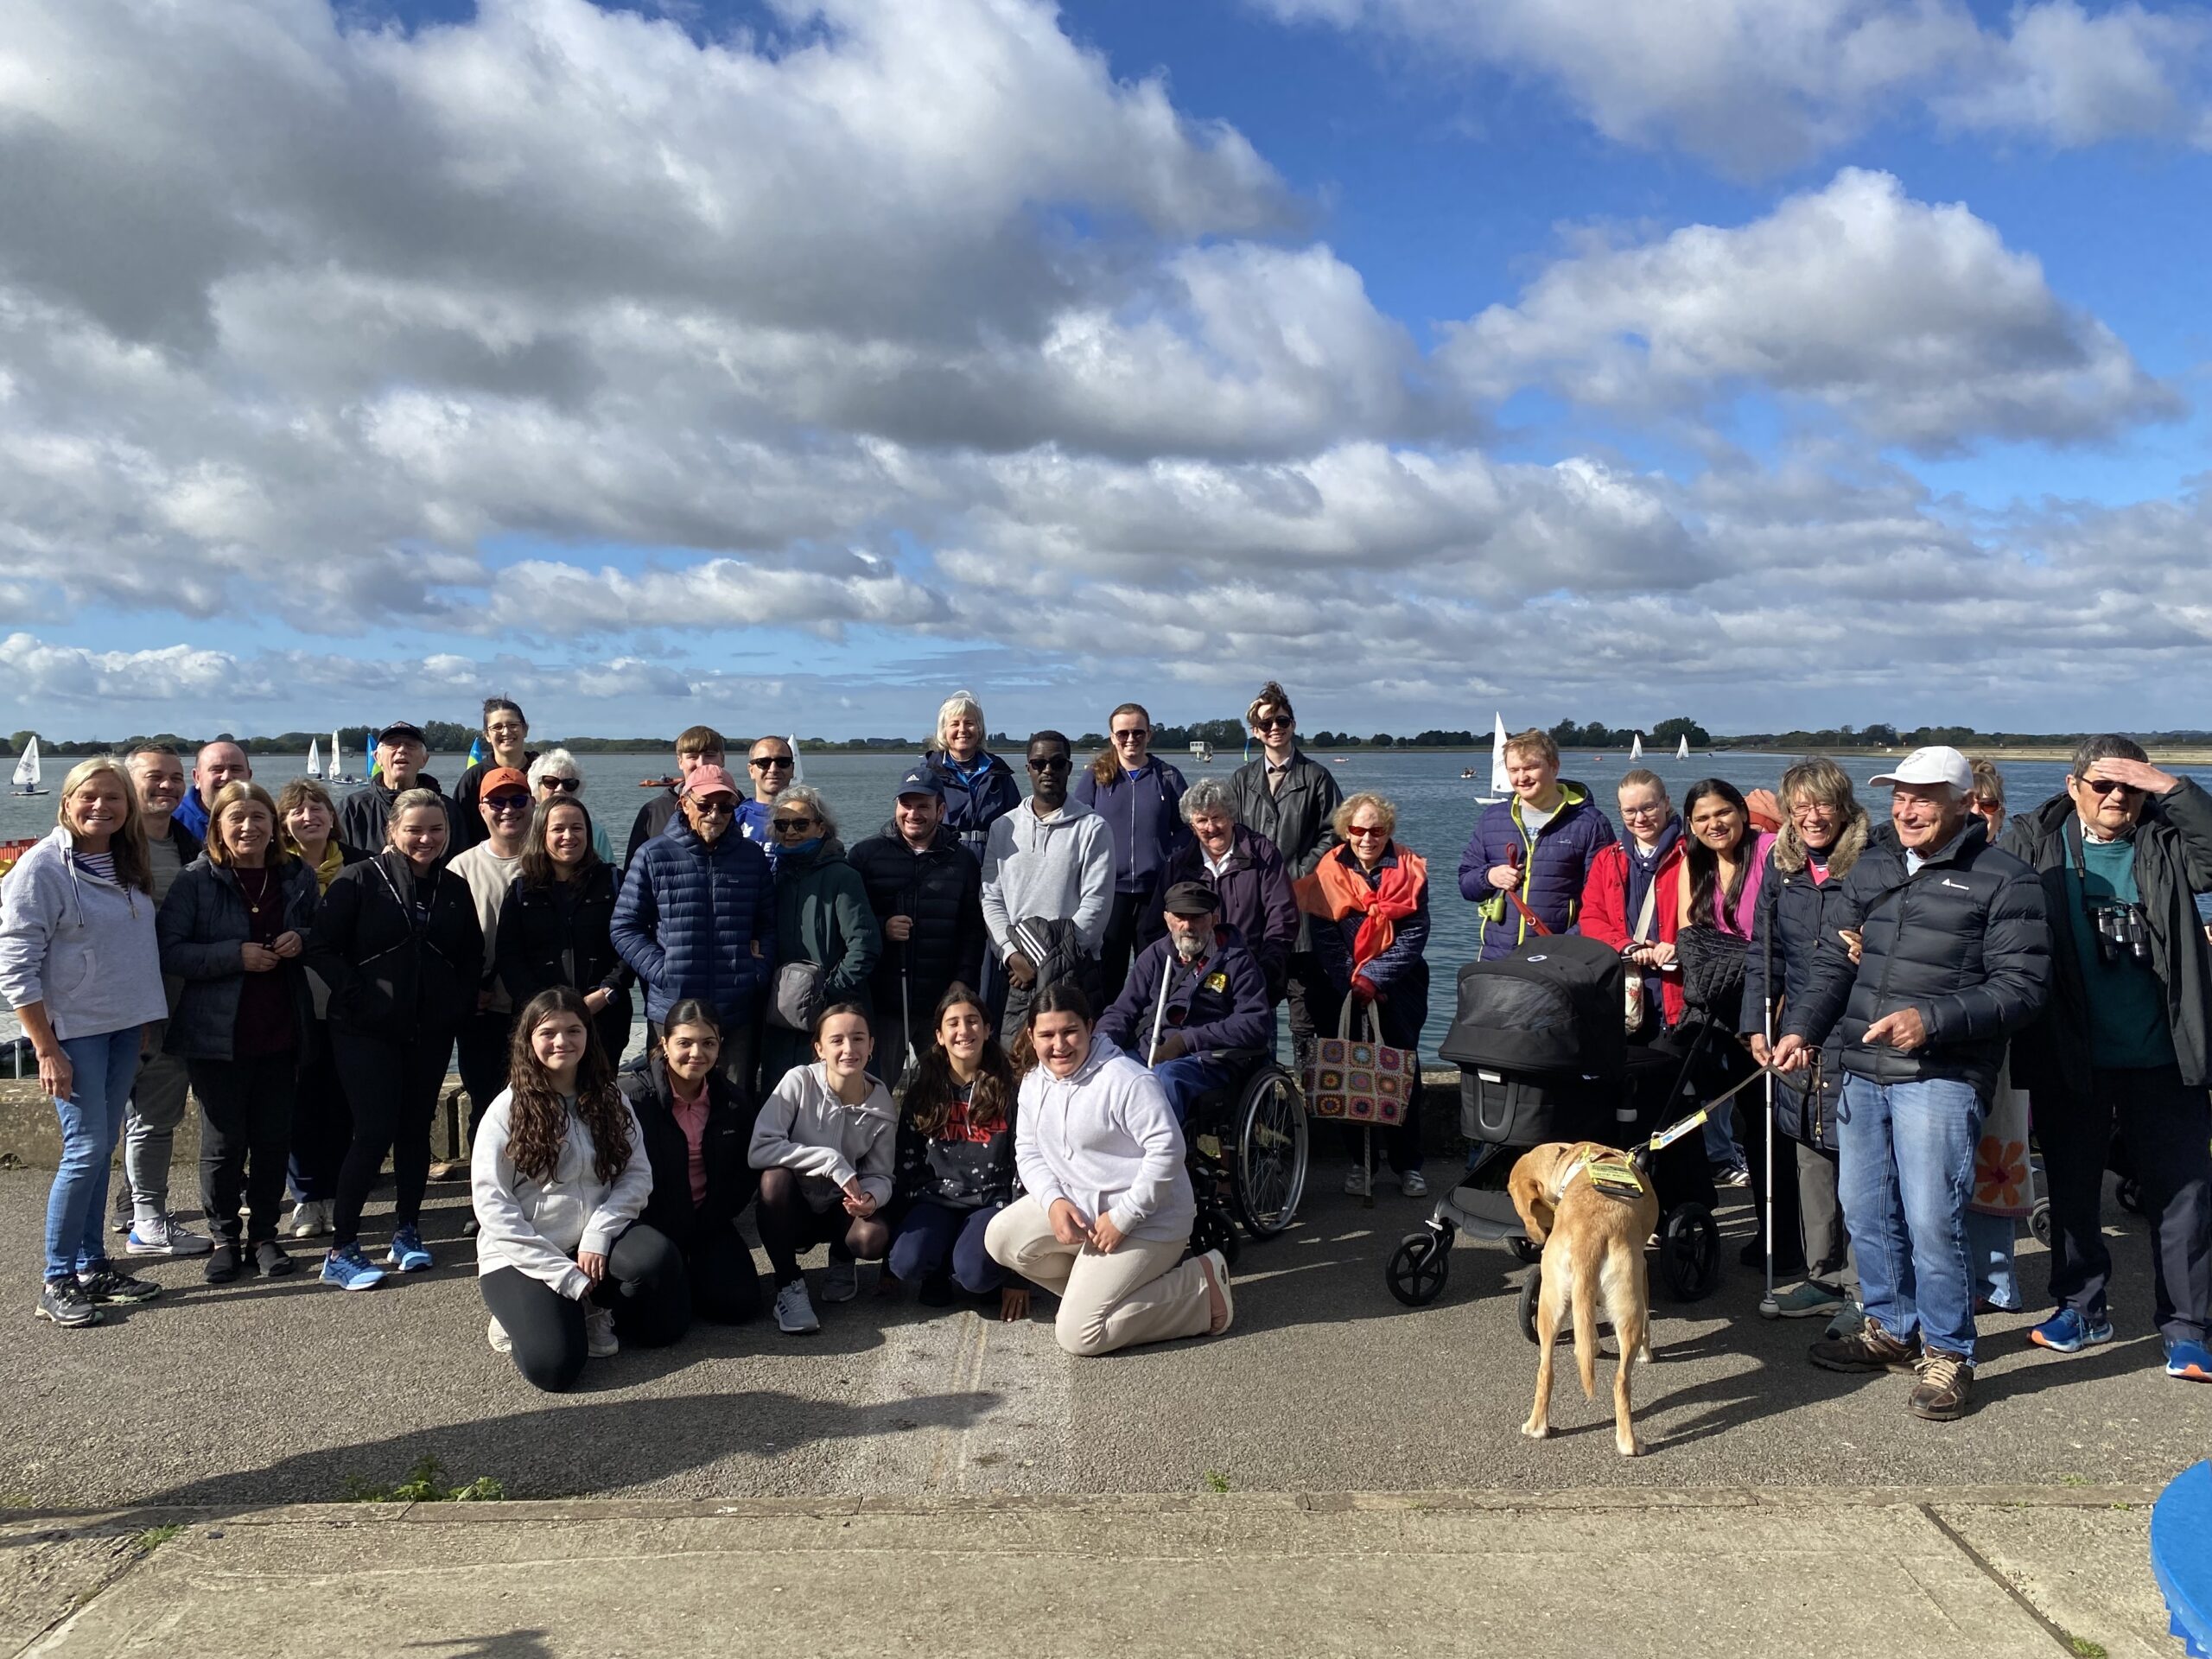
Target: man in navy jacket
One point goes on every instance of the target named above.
(1215, 998)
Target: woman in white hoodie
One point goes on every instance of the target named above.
(825, 1143)
(1106, 1220)
(559, 1176)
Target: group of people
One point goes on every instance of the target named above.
(967, 1045)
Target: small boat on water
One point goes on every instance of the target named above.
(660, 783)
(1635, 748)
(1466, 771)
(1501, 785)
(1202, 753)
(27, 773)
(1682, 749)
(314, 756)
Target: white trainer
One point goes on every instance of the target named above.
(599, 1339)
(795, 1310)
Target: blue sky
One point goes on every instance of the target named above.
(789, 367)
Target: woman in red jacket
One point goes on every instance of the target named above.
(1633, 893)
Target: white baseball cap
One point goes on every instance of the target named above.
(1935, 765)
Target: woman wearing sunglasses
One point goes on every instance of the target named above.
(1140, 796)
(826, 941)
(554, 777)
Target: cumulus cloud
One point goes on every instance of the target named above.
(1759, 87)
(1914, 322)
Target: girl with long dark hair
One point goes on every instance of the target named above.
(559, 1176)
(555, 926)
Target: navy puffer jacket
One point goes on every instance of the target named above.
(976, 796)
(695, 920)
(1554, 865)
(1964, 939)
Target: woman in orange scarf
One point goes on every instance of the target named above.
(1369, 897)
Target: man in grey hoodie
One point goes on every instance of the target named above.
(1051, 861)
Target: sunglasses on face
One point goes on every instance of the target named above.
(509, 803)
(1274, 723)
(792, 826)
(1131, 737)
(720, 806)
(764, 762)
(1051, 763)
(569, 785)
(2101, 787)
(1368, 832)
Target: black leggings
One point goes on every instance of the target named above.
(725, 1285)
(322, 1123)
(480, 1056)
(245, 1108)
(393, 1090)
(644, 1285)
(789, 1225)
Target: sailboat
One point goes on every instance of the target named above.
(337, 766)
(1500, 784)
(1682, 749)
(1635, 748)
(314, 756)
(27, 773)
(798, 767)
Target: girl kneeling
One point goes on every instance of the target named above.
(956, 1161)
(1108, 1208)
(824, 1144)
(559, 1176)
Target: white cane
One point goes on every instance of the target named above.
(1158, 1013)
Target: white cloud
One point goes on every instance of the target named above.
(1913, 321)
(1759, 86)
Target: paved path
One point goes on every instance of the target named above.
(1993, 1573)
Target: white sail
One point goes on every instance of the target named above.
(314, 756)
(798, 767)
(1500, 784)
(26, 772)
(1682, 749)
(1636, 747)
(337, 765)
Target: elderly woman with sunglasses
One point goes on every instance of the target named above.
(823, 917)
(554, 777)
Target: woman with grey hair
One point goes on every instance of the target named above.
(979, 787)
(1246, 873)
(826, 932)
(554, 777)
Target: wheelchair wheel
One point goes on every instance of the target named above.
(2039, 1221)
(1419, 1268)
(1215, 1231)
(1267, 1176)
(1689, 1252)
(2130, 1194)
(1532, 1290)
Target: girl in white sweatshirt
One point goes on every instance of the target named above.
(825, 1143)
(559, 1176)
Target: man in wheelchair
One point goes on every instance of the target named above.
(1190, 997)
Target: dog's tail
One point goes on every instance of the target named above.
(1586, 1265)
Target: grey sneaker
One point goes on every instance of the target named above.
(1413, 1184)
(599, 1339)
(794, 1312)
(65, 1304)
(166, 1236)
(841, 1280)
(1807, 1302)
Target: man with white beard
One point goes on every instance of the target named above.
(1214, 994)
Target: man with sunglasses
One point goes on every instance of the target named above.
(695, 747)
(772, 765)
(696, 917)
(1289, 798)
(1049, 861)
(2122, 854)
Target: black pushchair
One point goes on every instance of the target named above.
(1539, 1040)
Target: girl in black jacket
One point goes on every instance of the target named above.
(956, 1161)
(554, 925)
(697, 1135)
(398, 944)
(232, 929)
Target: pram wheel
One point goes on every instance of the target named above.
(1524, 1249)
(1689, 1252)
(2039, 1221)
(1419, 1268)
(2130, 1194)
(1213, 1230)
(1532, 1290)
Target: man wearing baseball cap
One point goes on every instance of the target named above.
(927, 891)
(402, 752)
(697, 918)
(1955, 956)
(1195, 992)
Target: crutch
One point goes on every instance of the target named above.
(1768, 1308)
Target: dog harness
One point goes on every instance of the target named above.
(1610, 1173)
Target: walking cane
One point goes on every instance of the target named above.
(1159, 1013)
(1768, 1308)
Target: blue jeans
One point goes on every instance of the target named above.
(104, 1068)
(1904, 1173)
(1187, 1079)
(929, 1234)
(1990, 1238)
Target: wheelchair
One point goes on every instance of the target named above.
(1247, 1148)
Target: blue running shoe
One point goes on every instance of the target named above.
(2192, 1360)
(2067, 1332)
(407, 1252)
(349, 1269)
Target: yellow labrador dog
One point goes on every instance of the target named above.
(1593, 1244)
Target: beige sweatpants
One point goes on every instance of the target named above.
(1144, 1292)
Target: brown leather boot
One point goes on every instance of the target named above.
(1945, 1388)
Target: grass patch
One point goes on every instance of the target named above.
(426, 1483)
(2086, 1649)
(2073, 1480)
(154, 1537)
(1217, 1483)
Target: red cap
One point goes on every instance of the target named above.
(711, 780)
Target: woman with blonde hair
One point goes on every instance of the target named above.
(823, 920)
(1140, 797)
(82, 967)
(232, 929)
(979, 788)
(322, 1124)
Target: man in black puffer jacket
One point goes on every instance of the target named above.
(1955, 957)
(2122, 854)
(927, 891)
